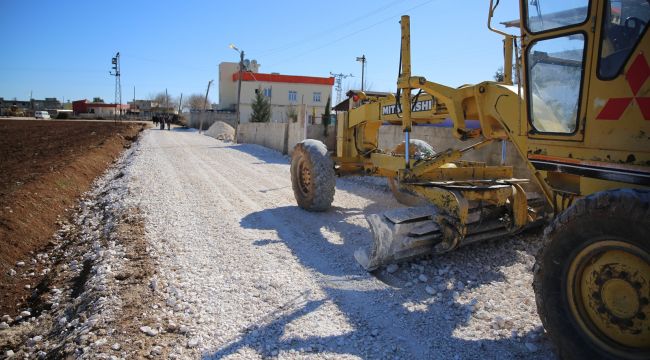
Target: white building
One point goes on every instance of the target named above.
(286, 93)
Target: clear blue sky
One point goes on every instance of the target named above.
(63, 49)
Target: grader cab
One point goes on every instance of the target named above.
(578, 114)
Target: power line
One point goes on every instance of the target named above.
(351, 34)
(328, 31)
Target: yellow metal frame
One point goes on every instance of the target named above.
(502, 113)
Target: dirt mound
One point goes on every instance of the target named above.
(44, 168)
(221, 131)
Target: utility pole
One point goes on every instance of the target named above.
(180, 105)
(362, 58)
(115, 61)
(241, 71)
(205, 103)
(339, 84)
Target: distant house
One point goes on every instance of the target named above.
(46, 104)
(283, 92)
(147, 108)
(98, 109)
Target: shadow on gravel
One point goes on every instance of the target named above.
(383, 308)
(268, 342)
(184, 130)
(265, 155)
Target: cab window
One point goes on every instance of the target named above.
(555, 71)
(624, 23)
(543, 15)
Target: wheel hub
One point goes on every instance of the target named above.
(608, 287)
(620, 299)
(305, 178)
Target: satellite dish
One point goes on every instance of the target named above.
(247, 63)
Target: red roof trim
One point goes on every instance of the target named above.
(293, 79)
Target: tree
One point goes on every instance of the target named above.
(326, 116)
(98, 100)
(164, 100)
(292, 113)
(499, 75)
(195, 102)
(261, 108)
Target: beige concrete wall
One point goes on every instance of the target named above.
(227, 92)
(297, 134)
(273, 135)
(209, 118)
(442, 139)
(270, 135)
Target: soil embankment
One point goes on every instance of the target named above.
(45, 166)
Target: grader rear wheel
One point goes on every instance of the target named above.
(592, 279)
(312, 176)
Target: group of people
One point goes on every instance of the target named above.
(161, 120)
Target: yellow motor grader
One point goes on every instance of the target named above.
(578, 113)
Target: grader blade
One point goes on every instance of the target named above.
(399, 235)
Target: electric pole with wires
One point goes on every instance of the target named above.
(338, 80)
(362, 59)
(118, 85)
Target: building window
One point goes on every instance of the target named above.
(317, 97)
(267, 92)
(293, 96)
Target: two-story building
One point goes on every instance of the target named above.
(286, 93)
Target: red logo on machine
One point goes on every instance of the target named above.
(636, 76)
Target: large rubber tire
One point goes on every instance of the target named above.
(417, 149)
(592, 277)
(312, 175)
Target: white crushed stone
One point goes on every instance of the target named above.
(243, 273)
(149, 331)
(248, 274)
(221, 131)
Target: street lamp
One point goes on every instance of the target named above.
(241, 69)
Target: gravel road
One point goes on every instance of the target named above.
(189, 247)
(246, 273)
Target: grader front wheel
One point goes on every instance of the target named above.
(418, 149)
(592, 279)
(312, 176)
